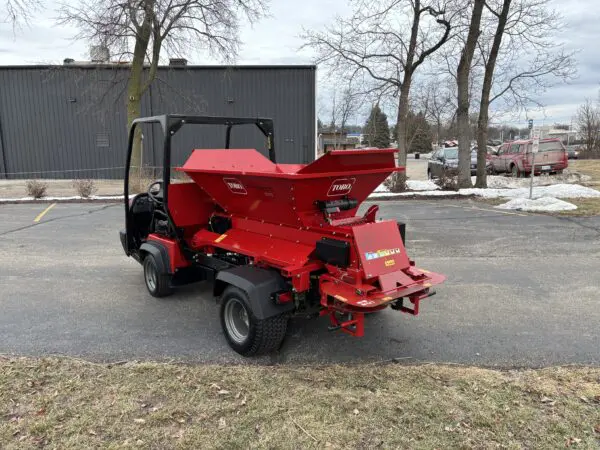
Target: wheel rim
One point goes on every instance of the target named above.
(237, 321)
(150, 275)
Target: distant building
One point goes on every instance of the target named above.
(336, 139)
(548, 132)
(69, 120)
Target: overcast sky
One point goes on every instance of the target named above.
(275, 41)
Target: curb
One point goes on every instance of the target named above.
(112, 199)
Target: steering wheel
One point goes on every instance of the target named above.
(155, 191)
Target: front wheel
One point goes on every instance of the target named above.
(157, 282)
(515, 171)
(246, 334)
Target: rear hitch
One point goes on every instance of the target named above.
(398, 305)
(354, 326)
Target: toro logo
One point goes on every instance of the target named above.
(235, 186)
(341, 186)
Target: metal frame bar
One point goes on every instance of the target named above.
(171, 124)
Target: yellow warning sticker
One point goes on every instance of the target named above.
(389, 262)
(341, 299)
(220, 238)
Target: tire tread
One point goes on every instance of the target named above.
(268, 333)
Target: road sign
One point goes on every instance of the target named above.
(535, 147)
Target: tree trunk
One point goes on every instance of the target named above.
(486, 89)
(462, 111)
(482, 137)
(464, 135)
(399, 183)
(135, 90)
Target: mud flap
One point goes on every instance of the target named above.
(260, 285)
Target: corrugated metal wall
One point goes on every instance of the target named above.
(70, 122)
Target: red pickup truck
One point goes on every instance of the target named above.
(515, 158)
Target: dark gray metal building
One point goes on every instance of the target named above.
(70, 121)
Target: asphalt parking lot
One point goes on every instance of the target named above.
(522, 290)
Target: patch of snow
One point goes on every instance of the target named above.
(556, 191)
(502, 182)
(418, 185)
(62, 199)
(548, 204)
(412, 185)
(416, 193)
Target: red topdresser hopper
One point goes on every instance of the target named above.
(245, 183)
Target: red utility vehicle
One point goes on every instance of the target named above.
(515, 158)
(277, 240)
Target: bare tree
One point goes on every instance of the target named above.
(343, 109)
(17, 12)
(462, 81)
(528, 58)
(347, 106)
(588, 122)
(139, 30)
(438, 103)
(387, 41)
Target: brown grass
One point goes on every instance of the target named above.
(585, 207)
(71, 404)
(590, 167)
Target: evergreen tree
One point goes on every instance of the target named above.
(376, 129)
(420, 136)
(418, 133)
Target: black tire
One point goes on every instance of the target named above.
(514, 170)
(429, 176)
(254, 336)
(157, 282)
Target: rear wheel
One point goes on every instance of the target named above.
(246, 334)
(157, 282)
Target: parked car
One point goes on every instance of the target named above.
(573, 151)
(515, 158)
(442, 160)
(446, 159)
(490, 152)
